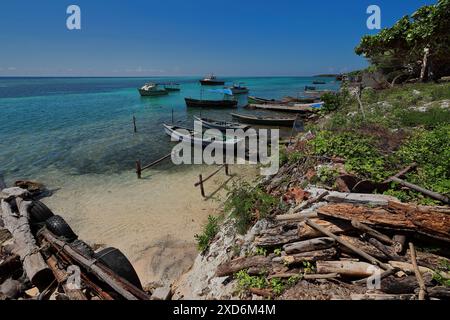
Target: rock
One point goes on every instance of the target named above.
(12, 289)
(162, 293)
(13, 192)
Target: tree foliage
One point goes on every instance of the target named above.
(400, 49)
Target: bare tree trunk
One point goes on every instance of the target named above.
(424, 70)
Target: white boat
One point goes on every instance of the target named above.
(202, 139)
(152, 90)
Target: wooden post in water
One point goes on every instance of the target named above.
(138, 169)
(172, 117)
(227, 170)
(134, 124)
(202, 189)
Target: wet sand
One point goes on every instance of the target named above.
(153, 220)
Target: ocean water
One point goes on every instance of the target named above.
(84, 125)
(76, 136)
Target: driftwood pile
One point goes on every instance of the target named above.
(39, 265)
(362, 241)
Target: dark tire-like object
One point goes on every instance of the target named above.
(39, 212)
(59, 227)
(115, 260)
(83, 248)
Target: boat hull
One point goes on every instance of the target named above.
(221, 125)
(284, 122)
(156, 93)
(212, 82)
(173, 131)
(194, 103)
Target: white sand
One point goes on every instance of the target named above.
(153, 220)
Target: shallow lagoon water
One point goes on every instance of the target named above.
(76, 136)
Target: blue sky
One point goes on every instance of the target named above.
(188, 37)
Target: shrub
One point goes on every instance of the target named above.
(246, 203)
(209, 232)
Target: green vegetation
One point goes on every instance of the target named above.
(209, 232)
(246, 204)
(396, 50)
(360, 152)
(277, 285)
(261, 252)
(444, 266)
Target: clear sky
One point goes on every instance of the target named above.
(188, 37)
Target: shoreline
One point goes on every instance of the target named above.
(152, 221)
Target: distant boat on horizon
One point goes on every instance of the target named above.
(211, 80)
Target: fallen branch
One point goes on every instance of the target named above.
(349, 246)
(431, 194)
(423, 288)
(309, 245)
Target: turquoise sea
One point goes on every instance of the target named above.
(84, 125)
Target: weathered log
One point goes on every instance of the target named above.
(348, 245)
(439, 292)
(404, 285)
(236, 265)
(277, 240)
(423, 288)
(372, 232)
(360, 198)
(387, 251)
(363, 246)
(381, 296)
(309, 245)
(309, 276)
(62, 276)
(400, 241)
(295, 216)
(25, 245)
(347, 268)
(307, 232)
(430, 223)
(311, 256)
(408, 267)
(118, 284)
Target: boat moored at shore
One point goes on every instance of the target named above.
(268, 121)
(195, 103)
(221, 125)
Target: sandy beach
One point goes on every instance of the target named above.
(152, 220)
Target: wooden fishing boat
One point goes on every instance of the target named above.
(298, 100)
(239, 89)
(319, 82)
(298, 108)
(211, 80)
(268, 121)
(195, 103)
(152, 90)
(257, 100)
(172, 87)
(221, 125)
(188, 135)
(310, 88)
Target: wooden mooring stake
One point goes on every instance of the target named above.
(134, 124)
(202, 180)
(140, 168)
